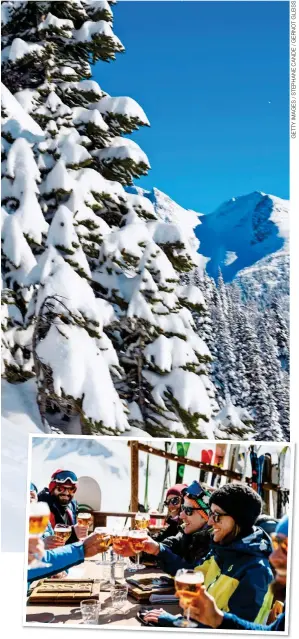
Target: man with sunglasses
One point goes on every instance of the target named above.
(205, 610)
(60, 498)
(189, 546)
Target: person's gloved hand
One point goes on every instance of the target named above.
(53, 542)
(81, 531)
(36, 548)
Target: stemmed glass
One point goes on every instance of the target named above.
(186, 585)
(137, 539)
(120, 543)
(39, 515)
(62, 531)
(106, 537)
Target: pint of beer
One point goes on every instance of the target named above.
(84, 519)
(39, 514)
(62, 531)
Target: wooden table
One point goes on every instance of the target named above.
(70, 614)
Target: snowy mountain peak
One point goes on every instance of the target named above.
(168, 210)
(244, 230)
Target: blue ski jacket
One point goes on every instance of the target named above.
(232, 622)
(60, 559)
(237, 575)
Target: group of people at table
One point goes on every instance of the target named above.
(229, 572)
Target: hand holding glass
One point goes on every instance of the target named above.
(62, 532)
(39, 514)
(186, 585)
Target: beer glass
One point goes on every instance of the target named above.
(105, 540)
(39, 514)
(121, 542)
(142, 521)
(62, 531)
(137, 539)
(187, 582)
(84, 519)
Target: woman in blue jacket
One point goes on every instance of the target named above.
(237, 571)
(205, 610)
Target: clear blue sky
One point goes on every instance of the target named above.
(205, 72)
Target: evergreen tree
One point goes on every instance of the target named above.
(234, 422)
(280, 332)
(107, 276)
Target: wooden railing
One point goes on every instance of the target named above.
(100, 517)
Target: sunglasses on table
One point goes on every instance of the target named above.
(174, 501)
(279, 542)
(66, 489)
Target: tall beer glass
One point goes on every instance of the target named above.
(106, 539)
(39, 514)
(187, 582)
(62, 531)
(137, 539)
(84, 519)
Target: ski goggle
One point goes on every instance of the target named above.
(64, 476)
(173, 501)
(279, 542)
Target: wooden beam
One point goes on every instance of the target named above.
(134, 475)
(196, 464)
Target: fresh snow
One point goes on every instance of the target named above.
(243, 231)
(91, 29)
(121, 148)
(121, 106)
(19, 48)
(82, 372)
(18, 123)
(186, 387)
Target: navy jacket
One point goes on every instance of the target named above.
(232, 622)
(237, 575)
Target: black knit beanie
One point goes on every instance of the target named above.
(239, 501)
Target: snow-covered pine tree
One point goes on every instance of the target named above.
(280, 332)
(234, 422)
(108, 272)
(224, 369)
(23, 228)
(260, 401)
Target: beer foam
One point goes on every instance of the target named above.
(191, 578)
(39, 509)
